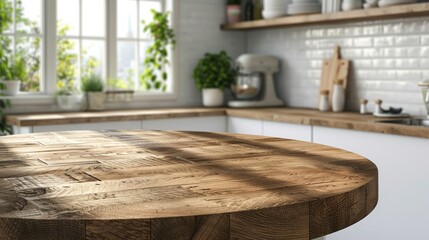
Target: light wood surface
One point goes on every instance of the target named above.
(108, 116)
(344, 120)
(399, 11)
(334, 69)
(178, 185)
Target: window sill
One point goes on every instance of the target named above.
(38, 99)
(30, 99)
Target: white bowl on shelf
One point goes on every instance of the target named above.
(271, 14)
(385, 3)
(295, 9)
(276, 5)
(348, 5)
(305, 1)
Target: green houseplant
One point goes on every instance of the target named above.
(155, 74)
(6, 18)
(92, 86)
(14, 72)
(212, 74)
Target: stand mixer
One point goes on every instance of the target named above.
(254, 86)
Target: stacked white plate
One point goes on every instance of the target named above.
(275, 8)
(304, 7)
(384, 3)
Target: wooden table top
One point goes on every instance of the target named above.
(250, 184)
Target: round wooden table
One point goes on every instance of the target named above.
(178, 185)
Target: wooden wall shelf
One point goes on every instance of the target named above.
(398, 11)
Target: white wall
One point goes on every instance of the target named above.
(388, 58)
(199, 32)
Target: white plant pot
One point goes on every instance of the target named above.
(12, 87)
(69, 102)
(212, 97)
(95, 100)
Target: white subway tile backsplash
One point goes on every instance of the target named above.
(362, 42)
(354, 31)
(408, 74)
(425, 74)
(395, 52)
(414, 51)
(362, 63)
(372, 52)
(425, 40)
(335, 32)
(384, 63)
(351, 53)
(424, 52)
(388, 59)
(407, 40)
(424, 63)
(372, 30)
(384, 41)
(407, 63)
(314, 73)
(380, 74)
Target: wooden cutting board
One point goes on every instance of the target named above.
(332, 70)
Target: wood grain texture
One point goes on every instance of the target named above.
(334, 69)
(399, 11)
(345, 120)
(118, 230)
(24, 120)
(287, 222)
(178, 185)
(29, 229)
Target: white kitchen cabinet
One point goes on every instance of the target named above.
(129, 125)
(287, 130)
(244, 126)
(208, 124)
(403, 163)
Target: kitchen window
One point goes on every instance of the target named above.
(69, 39)
(24, 38)
(81, 40)
(132, 42)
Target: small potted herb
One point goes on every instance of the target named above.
(233, 11)
(214, 73)
(68, 98)
(13, 71)
(93, 86)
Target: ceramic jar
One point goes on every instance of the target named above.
(233, 13)
(324, 101)
(348, 5)
(338, 96)
(212, 97)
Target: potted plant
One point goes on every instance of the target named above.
(68, 98)
(93, 86)
(14, 70)
(233, 11)
(214, 73)
(155, 73)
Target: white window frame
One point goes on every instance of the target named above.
(48, 69)
(14, 35)
(80, 38)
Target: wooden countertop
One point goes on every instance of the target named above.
(346, 120)
(108, 116)
(178, 185)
